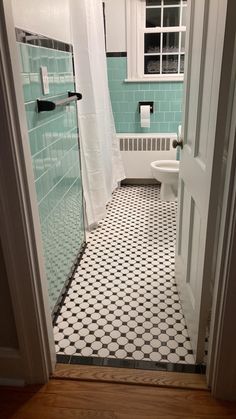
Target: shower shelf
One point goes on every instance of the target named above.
(47, 105)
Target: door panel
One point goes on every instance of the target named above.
(202, 79)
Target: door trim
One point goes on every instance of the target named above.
(19, 221)
(222, 363)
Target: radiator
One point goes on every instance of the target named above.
(139, 150)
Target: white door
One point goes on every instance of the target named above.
(206, 22)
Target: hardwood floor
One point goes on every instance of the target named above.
(70, 399)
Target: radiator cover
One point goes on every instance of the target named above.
(139, 150)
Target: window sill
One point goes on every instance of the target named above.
(156, 79)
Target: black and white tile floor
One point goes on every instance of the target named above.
(123, 301)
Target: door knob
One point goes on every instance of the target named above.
(177, 143)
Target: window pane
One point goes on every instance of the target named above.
(153, 2)
(183, 36)
(170, 42)
(152, 42)
(169, 64)
(171, 16)
(153, 17)
(184, 13)
(152, 65)
(171, 2)
(181, 63)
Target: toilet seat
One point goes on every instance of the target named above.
(166, 165)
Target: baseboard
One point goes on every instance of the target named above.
(136, 181)
(11, 367)
(12, 382)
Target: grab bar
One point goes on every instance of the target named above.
(47, 105)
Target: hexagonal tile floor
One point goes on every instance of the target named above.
(123, 301)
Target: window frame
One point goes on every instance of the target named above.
(136, 16)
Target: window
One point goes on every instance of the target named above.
(156, 32)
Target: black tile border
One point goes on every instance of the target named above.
(38, 40)
(60, 301)
(116, 54)
(139, 182)
(132, 364)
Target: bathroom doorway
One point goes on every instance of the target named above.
(123, 305)
(124, 292)
(35, 358)
(74, 320)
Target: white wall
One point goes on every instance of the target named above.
(52, 18)
(115, 25)
(46, 17)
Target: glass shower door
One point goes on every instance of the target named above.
(54, 145)
(63, 228)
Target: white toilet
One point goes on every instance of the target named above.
(167, 172)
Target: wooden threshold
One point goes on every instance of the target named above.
(128, 376)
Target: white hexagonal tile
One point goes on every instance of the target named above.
(172, 357)
(70, 350)
(172, 344)
(96, 345)
(131, 335)
(103, 352)
(74, 337)
(189, 359)
(155, 343)
(155, 356)
(187, 345)
(113, 346)
(89, 338)
(139, 342)
(129, 347)
(80, 344)
(86, 351)
(64, 343)
(121, 354)
(106, 340)
(138, 355)
(181, 351)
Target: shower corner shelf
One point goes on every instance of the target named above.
(47, 105)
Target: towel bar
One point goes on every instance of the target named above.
(47, 105)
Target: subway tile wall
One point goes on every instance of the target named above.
(167, 98)
(53, 140)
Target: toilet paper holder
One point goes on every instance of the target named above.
(151, 104)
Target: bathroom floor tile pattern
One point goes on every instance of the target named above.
(123, 301)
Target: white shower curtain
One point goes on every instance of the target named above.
(102, 167)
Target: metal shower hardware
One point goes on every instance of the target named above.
(47, 105)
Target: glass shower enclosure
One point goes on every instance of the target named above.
(55, 151)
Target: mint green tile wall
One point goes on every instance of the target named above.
(53, 140)
(167, 97)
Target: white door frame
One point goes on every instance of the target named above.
(221, 371)
(22, 244)
(34, 359)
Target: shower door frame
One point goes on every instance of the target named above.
(36, 352)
